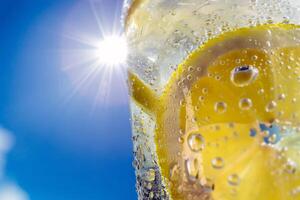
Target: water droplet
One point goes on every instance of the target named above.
(271, 106)
(192, 168)
(196, 142)
(220, 107)
(245, 104)
(217, 163)
(243, 75)
(233, 179)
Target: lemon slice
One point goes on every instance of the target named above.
(227, 121)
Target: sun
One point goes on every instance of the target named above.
(94, 54)
(112, 50)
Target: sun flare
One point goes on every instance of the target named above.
(94, 54)
(112, 50)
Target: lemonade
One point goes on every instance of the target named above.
(215, 98)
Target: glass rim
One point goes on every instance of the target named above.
(129, 7)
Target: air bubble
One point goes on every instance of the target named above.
(255, 57)
(271, 106)
(217, 163)
(201, 98)
(220, 107)
(196, 142)
(233, 179)
(245, 104)
(281, 96)
(204, 90)
(242, 76)
(261, 91)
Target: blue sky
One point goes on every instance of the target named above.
(67, 146)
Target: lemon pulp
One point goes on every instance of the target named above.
(227, 123)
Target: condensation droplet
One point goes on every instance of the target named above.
(217, 163)
(220, 107)
(233, 179)
(245, 103)
(196, 142)
(271, 106)
(242, 76)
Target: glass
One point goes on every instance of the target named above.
(214, 88)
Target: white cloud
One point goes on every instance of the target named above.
(6, 143)
(8, 190)
(12, 192)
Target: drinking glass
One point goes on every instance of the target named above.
(215, 99)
